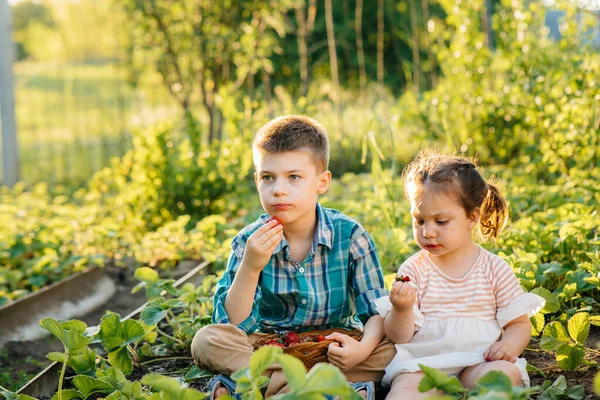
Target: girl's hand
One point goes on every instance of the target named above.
(346, 352)
(500, 351)
(261, 244)
(402, 296)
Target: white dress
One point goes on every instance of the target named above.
(456, 320)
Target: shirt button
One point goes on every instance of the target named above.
(301, 270)
(304, 301)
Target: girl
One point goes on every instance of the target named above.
(463, 311)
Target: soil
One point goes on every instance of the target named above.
(549, 369)
(21, 361)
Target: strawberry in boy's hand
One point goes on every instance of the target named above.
(276, 218)
(402, 278)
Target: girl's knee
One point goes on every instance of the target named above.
(406, 386)
(407, 381)
(508, 368)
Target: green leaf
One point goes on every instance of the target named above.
(294, 370)
(569, 290)
(495, 381)
(597, 384)
(74, 325)
(554, 336)
(115, 334)
(567, 230)
(171, 388)
(121, 359)
(75, 341)
(116, 395)
(579, 327)
(56, 356)
(262, 358)
(595, 257)
(132, 331)
(569, 356)
(552, 303)
(153, 315)
(138, 287)
(575, 392)
(537, 324)
(197, 373)
(145, 274)
(69, 394)
(174, 303)
(439, 380)
(110, 331)
(53, 327)
(88, 385)
(326, 379)
(595, 320)
(115, 377)
(85, 363)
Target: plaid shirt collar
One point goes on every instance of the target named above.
(323, 234)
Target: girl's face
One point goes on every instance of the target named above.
(441, 225)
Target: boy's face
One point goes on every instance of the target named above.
(289, 185)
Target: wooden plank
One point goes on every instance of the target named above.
(10, 149)
(72, 297)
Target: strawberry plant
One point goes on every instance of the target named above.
(117, 339)
(569, 344)
(72, 336)
(494, 385)
(322, 379)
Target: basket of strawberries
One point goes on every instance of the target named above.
(310, 347)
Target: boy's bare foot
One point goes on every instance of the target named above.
(221, 391)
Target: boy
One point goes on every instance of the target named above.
(319, 270)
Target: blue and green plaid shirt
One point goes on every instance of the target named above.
(334, 287)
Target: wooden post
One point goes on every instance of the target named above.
(10, 149)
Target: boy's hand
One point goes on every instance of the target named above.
(402, 296)
(345, 352)
(500, 351)
(261, 244)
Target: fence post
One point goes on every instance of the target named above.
(10, 149)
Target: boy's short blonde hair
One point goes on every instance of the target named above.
(290, 133)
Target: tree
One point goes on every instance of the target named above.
(199, 47)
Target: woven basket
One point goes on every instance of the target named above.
(310, 353)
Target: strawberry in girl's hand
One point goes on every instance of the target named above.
(321, 338)
(276, 218)
(402, 278)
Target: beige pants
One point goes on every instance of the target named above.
(225, 348)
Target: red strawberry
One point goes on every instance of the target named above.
(320, 338)
(276, 218)
(291, 337)
(402, 278)
(274, 343)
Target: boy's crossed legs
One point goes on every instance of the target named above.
(406, 385)
(224, 348)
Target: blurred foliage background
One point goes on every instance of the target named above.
(135, 121)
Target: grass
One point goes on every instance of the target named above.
(72, 118)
